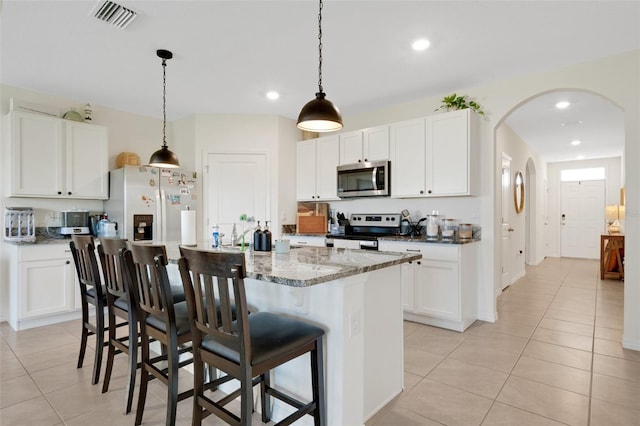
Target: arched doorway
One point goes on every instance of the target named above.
(534, 137)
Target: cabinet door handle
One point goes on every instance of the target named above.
(429, 191)
(69, 193)
(67, 262)
(59, 192)
(421, 191)
(413, 250)
(301, 243)
(419, 263)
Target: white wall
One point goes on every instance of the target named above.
(509, 142)
(271, 135)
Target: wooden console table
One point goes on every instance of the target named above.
(612, 256)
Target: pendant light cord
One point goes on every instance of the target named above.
(320, 48)
(164, 103)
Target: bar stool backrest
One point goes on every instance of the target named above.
(219, 277)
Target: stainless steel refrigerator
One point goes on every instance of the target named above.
(146, 201)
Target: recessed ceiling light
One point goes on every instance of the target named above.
(273, 95)
(563, 104)
(576, 142)
(580, 157)
(421, 44)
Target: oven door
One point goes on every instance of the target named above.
(368, 245)
(345, 243)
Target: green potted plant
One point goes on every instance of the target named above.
(454, 102)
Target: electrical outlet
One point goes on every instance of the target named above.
(355, 323)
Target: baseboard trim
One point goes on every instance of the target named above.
(634, 345)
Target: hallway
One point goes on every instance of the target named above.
(554, 357)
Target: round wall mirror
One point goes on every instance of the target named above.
(518, 192)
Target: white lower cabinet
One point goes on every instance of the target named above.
(43, 285)
(441, 288)
(305, 240)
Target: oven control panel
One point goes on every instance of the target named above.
(385, 220)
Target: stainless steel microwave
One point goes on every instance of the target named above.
(366, 179)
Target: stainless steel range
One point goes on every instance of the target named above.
(364, 229)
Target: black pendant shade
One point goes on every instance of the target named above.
(164, 157)
(320, 115)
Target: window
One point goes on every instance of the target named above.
(574, 175)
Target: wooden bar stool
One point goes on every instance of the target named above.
(160, 318)
(246, 349)
(119, 306)
(91, 293)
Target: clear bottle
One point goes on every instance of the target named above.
(234, 236)
(101, 225)
(215, 236)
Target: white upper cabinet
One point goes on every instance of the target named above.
(364, 145)
(55, 158)
(87, 161)
(316, 169)
(436, 156)
(36, 155)
(407, 154)
(351, 147)
(452, 154)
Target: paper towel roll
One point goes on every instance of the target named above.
(188, 227)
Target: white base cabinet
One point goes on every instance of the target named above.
(43, 286)
(441, 288)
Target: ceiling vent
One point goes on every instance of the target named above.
(113, 14)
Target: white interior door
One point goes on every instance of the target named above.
(582, 218)
(506, 227)
(236, 184)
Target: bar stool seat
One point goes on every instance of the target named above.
(272, 336)
(182, 322)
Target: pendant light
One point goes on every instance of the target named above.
(164, 157)
(319, 114)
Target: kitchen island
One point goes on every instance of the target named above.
(355, 295)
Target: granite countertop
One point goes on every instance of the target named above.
(307, 266)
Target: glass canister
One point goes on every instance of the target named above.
(465, 231)
(448, 229)
(432, 226)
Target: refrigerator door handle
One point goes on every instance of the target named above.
(160, 223)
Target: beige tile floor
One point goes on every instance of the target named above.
(553, 358)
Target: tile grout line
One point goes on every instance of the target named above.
(529, 339)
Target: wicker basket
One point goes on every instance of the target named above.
(127, 159)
